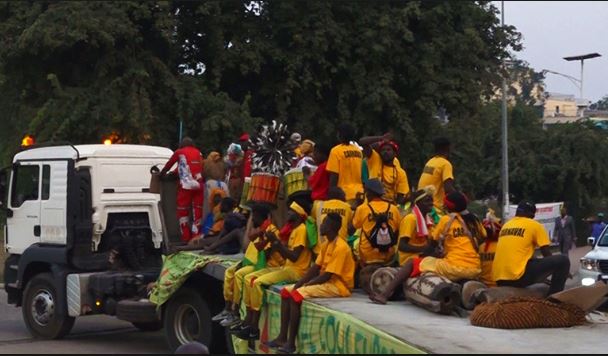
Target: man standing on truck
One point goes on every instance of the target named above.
(190, 191)
(344, 165)
(438, 173)
(332, 275)
(514, 263)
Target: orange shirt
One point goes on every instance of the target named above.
(346, 160)
(364, 220)
(336, 258)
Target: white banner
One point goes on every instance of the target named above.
(546, 213)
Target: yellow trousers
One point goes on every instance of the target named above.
(450, 271)
(256, 282)
(325, 290)
(233, 282)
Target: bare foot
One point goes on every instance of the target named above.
(377, 298)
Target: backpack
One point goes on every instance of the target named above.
(382, 236)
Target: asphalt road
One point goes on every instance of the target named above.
(92, 334)
(103, 335)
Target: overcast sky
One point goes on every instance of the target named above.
(552, 30)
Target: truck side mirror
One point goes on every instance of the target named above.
(590, 240)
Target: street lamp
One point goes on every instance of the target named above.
(582, 59)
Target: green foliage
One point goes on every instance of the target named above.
(601, 104)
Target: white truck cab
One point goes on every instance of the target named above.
(82, 215)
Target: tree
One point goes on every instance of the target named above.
(601, 104)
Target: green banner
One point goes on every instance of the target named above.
(177, 268)
(325, 331)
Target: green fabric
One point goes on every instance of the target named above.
(364, 171)
(435, 216)
(176, 270)
(261, 262)
(311, 232)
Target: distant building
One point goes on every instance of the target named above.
(562, 108)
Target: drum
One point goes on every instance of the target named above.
(263, 188)
(244, 194)
(381, 278)
(365, 276)
(433, 292)
(295, 182)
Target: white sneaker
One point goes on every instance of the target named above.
(230, 320)
(221, 316)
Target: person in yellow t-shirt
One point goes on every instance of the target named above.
(344, 165)
(415, 227)
(455, 239)
(332, 275)
(382, 163)
(364, 220)
(297, 256)
(438, 173)
(335, 203)
(514, 263)
(487, 249)
(235, 275)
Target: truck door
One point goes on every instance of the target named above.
(23, 216)
(53, 202)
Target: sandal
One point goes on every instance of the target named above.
(285, 350)
(272, 344)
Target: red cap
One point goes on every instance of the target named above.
(244, 137)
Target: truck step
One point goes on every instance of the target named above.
(15, 267)
(12, 285)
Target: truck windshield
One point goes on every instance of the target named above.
(603, 238)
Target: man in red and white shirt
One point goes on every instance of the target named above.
(190, 190)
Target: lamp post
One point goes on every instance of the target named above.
(582, 59)
(505, 151)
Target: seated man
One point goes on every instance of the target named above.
(365, 219)
(228, 241)
(297, 255)
(416, 227)
(514, 263)
(223, 208)
(335, 203)
(459, 234)
(235, 275)
(332, 275)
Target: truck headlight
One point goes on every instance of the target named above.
(589, 264)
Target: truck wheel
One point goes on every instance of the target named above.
(149, 326)
(39, 309)
(187, 318)
(141, 312)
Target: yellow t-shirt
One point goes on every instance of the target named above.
(321, 208)
(518, 239)
(407, 228)
(298, 238)
(337, 258)
(364, 220)
(436, 171)
(393, 177)
(487, 258)
(459, 251)
(346, 161)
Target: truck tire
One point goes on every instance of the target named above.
(149, 326)
(39, 309)
(187, 318)
(136, 311)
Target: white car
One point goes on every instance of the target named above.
(594, 265)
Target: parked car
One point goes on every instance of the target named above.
(594, 265)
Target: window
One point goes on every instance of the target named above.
(25, 184)
(557, 109)
(46, 182)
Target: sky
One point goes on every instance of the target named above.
(552, 30)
